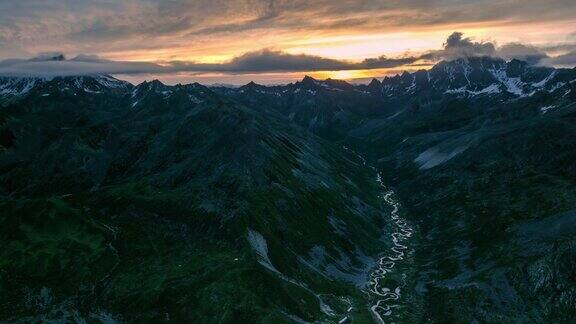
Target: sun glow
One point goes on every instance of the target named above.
(346, 75)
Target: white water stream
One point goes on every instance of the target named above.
(387, 297)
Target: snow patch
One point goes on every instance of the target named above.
(547, 108)
(17, 86)
(545, 80)
(259, 245)
(491, 89)
(194, 99)
(513, 85)
(433, 157)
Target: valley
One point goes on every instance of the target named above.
(151, 202)
(388, 297)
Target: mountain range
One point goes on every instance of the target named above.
(150, 202)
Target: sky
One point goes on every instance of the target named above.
(269, 41)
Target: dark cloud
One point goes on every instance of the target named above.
(88, 58)
(267, 14)
(49, 56)
(318, 14)
(253, 62)
(457, 46)
(564, 47)
(263, 61)
(102, 25)
(84, 65)
(528, 53)
(268, 60)
(385, 62)
(565, 60)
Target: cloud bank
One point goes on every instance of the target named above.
(457, 46)
(565, 60)
(267, 61)
(263, 61)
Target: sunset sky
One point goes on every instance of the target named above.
(213, 41)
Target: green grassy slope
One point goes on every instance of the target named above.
(207, 212)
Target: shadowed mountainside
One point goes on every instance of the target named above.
(156, 202)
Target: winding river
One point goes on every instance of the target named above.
(387, 298)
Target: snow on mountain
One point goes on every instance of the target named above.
(466, 77)
(13, 88)
(477, 76)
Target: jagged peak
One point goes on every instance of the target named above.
(88, 83)
(308, 78)
(198, 85)
(330, 80)
(407, 76)
(470, 60)
(48, 57)
(337, 83)
(251, 85)
(308, 82)
(374, 82)
(518, 61)
(156, 82)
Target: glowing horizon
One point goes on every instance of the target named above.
(216, 33)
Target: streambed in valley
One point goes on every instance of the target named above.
(383, 286)
(387, 293)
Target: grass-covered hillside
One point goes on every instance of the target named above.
(175, 204)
